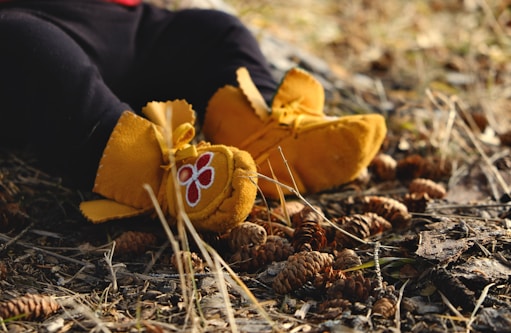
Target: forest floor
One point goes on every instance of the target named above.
(433, 210)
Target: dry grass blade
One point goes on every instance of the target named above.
(479, 302)
(439, 73)
(451, 307)
(109, 256)
(452, 103)
(397, 318)
(39, 249)
(188, 286)
(76, 307)
(302, 198)
(184, 224)
(246, 291)
(214, 264)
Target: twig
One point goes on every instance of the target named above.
(80, 309)
(317, 211)
(377, 268)
(438, 213)
(485, 157)
(109, 255)
(156, 256)
(244, 288)
(16, 238)
(173, 241)
(497, 28)
(478, 304)
(214, 264)
(53, 254)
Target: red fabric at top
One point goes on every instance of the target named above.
(127, 2)
(121, 2)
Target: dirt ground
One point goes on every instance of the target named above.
(432, 213)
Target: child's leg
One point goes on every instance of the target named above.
(190, 54)
(67, 67)
(52, 95)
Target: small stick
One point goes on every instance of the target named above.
(53, 254)
(15, 239)
(377, 267)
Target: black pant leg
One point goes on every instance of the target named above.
(190, 54)
(53, 95)
(70, 67)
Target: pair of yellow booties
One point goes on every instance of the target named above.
(216, 184)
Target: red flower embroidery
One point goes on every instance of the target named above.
(196, 177)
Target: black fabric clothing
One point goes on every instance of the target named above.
(69, 68)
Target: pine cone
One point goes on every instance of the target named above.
(336, 303)
(276, 214)
(422, 185)
(275, 228)
(505, 138)
(384, 167)
(410, 167)
(392, 210)
(307, 214)
(478, 118)
(360, 225)
(29, 307)
(416, 202)
(291, 207)
(346, 258)
(11, 214)
(258, 213)
(186, 258)
(246, 233)
(301, 268)
(309, 235)
(385, 307)
(134, 242)
(355, 288)
(416, 166)
(3, 271)
(253, 258)
(325, 279)
(436, 169)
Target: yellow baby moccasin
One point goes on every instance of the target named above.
(214, 184)
(321, 152)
